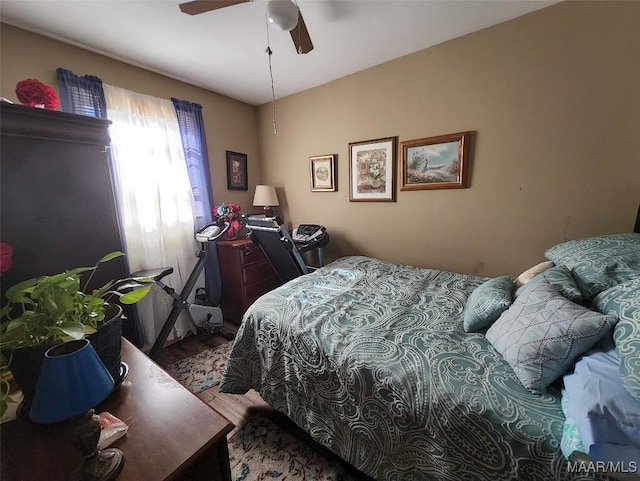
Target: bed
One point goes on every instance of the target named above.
(407, 373)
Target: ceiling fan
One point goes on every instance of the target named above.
(283, 13)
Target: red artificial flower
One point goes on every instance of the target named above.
(32, 92)
(227, 211)
(6, 254)
(234, 228)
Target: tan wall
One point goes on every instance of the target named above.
(229, 124)
(554, 100)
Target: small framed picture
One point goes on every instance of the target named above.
(372, 170)
(323, 173)
(435, 162)
(237, 171)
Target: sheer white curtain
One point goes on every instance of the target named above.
(155, 198)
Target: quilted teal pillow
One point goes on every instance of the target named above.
(560, 278)
(623, 301)
(598, 263)
(487, 302)
(542, 334)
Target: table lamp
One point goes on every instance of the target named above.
(72, 381)
(266, 197)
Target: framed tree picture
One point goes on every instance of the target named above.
(435, 162)
(322, 173)
(237, 171)
(372, 170)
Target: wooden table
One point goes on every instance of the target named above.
(171, 433)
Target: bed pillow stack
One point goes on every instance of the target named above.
(607, 271)
(565, 309)
(560, 324)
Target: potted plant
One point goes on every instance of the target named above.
(47, 310)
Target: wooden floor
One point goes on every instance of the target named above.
(237, 408)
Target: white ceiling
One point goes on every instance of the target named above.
(225, 50)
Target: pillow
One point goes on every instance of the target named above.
(542, 334)
(623, 301)
(530, 273)
(598, 263)
(606, 415)
(487, 302)
(560, 278)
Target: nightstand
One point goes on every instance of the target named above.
(246, 275)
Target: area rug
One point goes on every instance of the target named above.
(262, 450)
(202, 371)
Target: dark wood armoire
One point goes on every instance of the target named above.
(58, 208)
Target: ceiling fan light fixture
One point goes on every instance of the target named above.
(283, 14)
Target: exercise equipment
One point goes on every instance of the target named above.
(284, 254)
(203, 315)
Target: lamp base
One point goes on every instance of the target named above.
(104, 466)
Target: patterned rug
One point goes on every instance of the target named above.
(262, 450)
(202, 371)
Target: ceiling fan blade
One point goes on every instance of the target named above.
(300, 36)
(200, 6)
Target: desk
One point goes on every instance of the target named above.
(171, 433)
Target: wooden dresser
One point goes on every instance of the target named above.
(58, 209)
(57, 203)
(246, 275)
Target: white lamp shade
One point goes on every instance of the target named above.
(265, 196)
(283, 14)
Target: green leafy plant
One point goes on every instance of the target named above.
(54, 308)
(5, 390)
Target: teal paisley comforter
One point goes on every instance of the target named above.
(371, 360)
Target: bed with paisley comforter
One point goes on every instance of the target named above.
(373, 360)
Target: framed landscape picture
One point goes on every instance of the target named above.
(435, 162)
(322, 173)
(237, 171)
(372, 167)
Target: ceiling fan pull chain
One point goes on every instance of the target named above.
(273, 92)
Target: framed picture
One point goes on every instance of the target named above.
(237, 171)
(372, 170)
(435, 162)
(322, 173)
